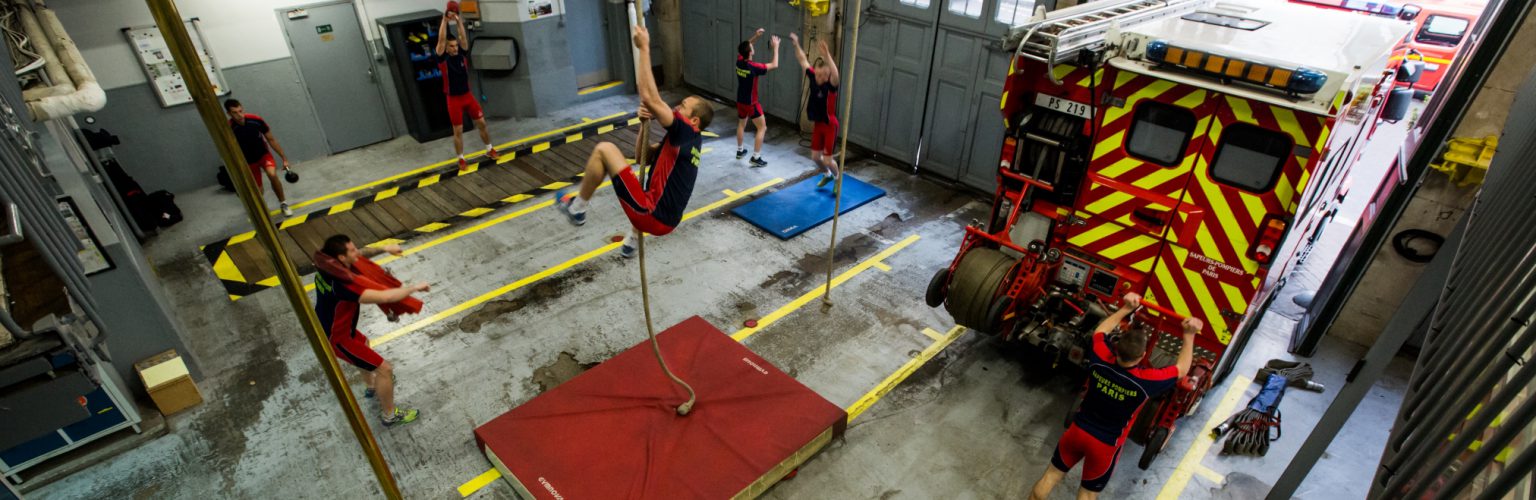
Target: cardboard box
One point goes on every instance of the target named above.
(169, 384)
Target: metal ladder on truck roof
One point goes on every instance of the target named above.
(1062, 34)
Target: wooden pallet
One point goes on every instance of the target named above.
(417, 207)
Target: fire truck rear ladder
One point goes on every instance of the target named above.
(1062, 34)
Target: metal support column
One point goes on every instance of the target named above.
(169, 19)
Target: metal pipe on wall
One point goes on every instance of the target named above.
(169, 19)
(1510, 428)
(1518, 470)
(1501, 245)
(1470, 350)
(58, 252)
(1452, 369)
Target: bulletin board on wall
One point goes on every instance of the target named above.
(160, 66)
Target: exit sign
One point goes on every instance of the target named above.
(323, 29)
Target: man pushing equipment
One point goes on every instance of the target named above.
(1117, 387)
(454, 66)
(655, 206)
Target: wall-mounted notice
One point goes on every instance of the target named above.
(160, 66)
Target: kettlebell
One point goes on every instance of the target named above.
(291, 176)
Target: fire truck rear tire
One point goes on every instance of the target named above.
(936, 288)
(1154, 446)
(975, 287)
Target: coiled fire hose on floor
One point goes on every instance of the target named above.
(1250, 431)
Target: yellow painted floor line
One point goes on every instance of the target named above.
(478, 482)
(928, 332)
(890, 382)
(510, 287)
(600, 88)
(1209, 475)
(1190, 464)
(742, 334)
(443, 163)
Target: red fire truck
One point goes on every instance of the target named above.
(1181, 149)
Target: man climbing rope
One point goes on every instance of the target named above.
(1116, 389)
(821, 106)
(337, 299)
(655, 206)
(454, 66)
(747, 106)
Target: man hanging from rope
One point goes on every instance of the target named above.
(655, 206)
(821, 106)
(1117, 388)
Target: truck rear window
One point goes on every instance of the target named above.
(1442, 30)
(1160, 133)
(1250, 157)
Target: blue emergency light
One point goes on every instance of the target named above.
(1296, 80)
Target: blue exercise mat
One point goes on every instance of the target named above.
(798, 208)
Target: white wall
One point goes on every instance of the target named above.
(239, 32)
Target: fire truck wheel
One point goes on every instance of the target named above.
(996, 312)
(1154, 446)
(936, 288)
(975, 287)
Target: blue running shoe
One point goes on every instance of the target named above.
(563, 200)
(627, 251)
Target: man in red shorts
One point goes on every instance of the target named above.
(253, 135)
(1117, 387)
(337, 304)
(821, 106)
(747, 106)
(655, 206)
(454, 66)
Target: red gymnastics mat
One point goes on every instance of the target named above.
(613, 432)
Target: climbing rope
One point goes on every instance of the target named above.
(842, 156)
(635, 16)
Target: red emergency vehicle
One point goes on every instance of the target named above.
(1180, 149)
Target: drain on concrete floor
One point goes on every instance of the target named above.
(565, 367)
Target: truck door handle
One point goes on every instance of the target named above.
(1150, 217)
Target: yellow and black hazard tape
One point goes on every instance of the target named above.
(239, 286)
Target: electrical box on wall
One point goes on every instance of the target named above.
(517, 11)
(494, 54)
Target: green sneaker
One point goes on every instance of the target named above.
(401, 417)
(824, 180)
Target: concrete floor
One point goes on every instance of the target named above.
(974, 422)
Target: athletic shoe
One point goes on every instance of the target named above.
(287, 212)
(368, 394)
(563, 200)
(492, 154)
(759, 162)
(741, 153)
(626, 251)
(401, 417)
(825, 178)
(463, 165)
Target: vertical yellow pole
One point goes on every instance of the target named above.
(168, 17)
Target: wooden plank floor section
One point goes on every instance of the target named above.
(401, 216)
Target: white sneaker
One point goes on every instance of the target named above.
(287, 212)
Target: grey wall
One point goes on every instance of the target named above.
(168, 148)
(544, 80)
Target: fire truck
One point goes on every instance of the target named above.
(1186, 150)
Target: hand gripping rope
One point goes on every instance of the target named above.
(636, 15)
